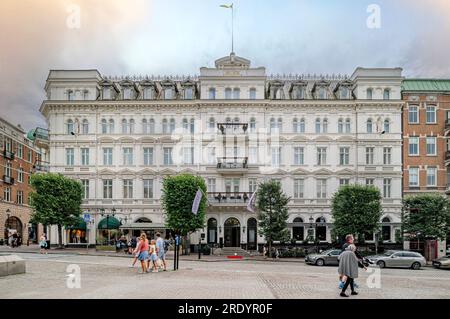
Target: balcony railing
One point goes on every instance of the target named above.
(8, 154)
(447, 155)
(228, 197)
(8, 180)
(42, 166)
(232, 163)
(232, 128)
(447, 124)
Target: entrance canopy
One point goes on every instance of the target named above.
(80, 224)
(113, 223)
(142, 226)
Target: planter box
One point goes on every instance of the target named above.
(11, 265)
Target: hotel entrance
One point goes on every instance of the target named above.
(232, 232)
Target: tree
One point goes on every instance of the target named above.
(427, 214)
(272, 212)
(56, 200)
(178, 194)
(356, 210)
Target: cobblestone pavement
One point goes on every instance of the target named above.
(110, 277)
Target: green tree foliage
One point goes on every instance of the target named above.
(56, 200)
(272, 213)
(428, 214)
(356, 210)
(178, 193)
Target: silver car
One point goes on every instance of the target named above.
(328, 257)
(397, 258)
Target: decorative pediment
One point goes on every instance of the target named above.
(126, 139)
(345, 171)
(299, 171)
(168, 139)
(106, 172)
(323, 171)
(167, 171)
(298, 138)
(188, 171)
(147, 171)
(232, 62)
(323, 139)
(105, 139)
(147, 139)
(127, 171)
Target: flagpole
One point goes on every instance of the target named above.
(232, 28)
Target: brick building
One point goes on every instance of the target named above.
(19, 158)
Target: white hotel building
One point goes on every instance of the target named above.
(234, 126)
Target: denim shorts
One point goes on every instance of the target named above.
(143, 255)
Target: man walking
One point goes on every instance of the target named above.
(161, 249)
(349, 240)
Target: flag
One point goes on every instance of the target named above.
(251, 203)
(228, 6)
(196, 203)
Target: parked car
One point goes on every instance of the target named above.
(398, 258)
(443, 262)
(328, 257)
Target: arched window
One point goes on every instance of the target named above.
(253, 125)
(252, 228)
(325, 125)
(228, 94)
(168, 93)
(104, 127)
(298, 93)
(272, 125)
(298, 232)
(302, 125)
(127, 93)
(172, 125)
(70, 95)
(252, 94)
(212, 93)
(70, 126)
(387, 126)
(212, 231)
(236, 93)
(144, 126)
(236, 121)
(295, 125)
(151, 126)
(369, 94)
(185, 126)
(280, 125)
(318, 126)
(386, 220)
(148, 93)
(344, 93)
(369, 126)
(278, 93)
(111, 126)
(322, 93)
(298, 220)
(321, 229)
(165, 126)
(131, 126)
(85, 127)
(124, 126)
(347, 125)
(192, 126)
(340, 126)
(386, 94)
(386, 229)
(188, 93)
(211, 125)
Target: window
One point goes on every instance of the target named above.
(387, 155)
(20, 197)
(413, 146)
(148, 93)
(298, 93)
(347, 126)
(369, 126)
(70, 95)
(127, 156)
(168, 93)
(236, 93)
(369, 155)
(298, 188)
(7, 194)
(431, 114)
(144, 126)
(127, 188)
(8, 169)
(369, 94)
(431, 145)
(165, 126)
(299, 155)
(168, 156)
(104, 127)
(20, 175)
(211, 185)
(386, 94)
(276, 156)
(70, 127)
(70, 157)
(341, 126)
(107, 156)
(232, 185)
(298, 126)
(124, 126)
(185, 126)
(252, 184)
(387, 126)
(253, 155)
(131, 126)
(431, 176)
(228, 94)
(192, 126)
(325, 126)
(252, 125)
(321, 156)
(8, 144)
(106, 93)
(111, 126)
(211, 125)
(318, 126)
(85, 183)
(321, 188)
(189, 93)
(252, 94)
(212, 93)
(188, 155)
(30, 155)
(171, 126)
(322, 93)
(127, 93)
(212, 155)
(107, 188)
(369, 181)
(387, 187)
(344, 181)
(413, 114)
(148, 155)
(344, 155)
(148, 188)
(273, 125)
(344, 93)
(84, 156)
(414, 177)
(20, 151)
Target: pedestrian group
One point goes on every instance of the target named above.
(152, 256)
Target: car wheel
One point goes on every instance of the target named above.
(415, 266)
(381, 264)
(320, 262)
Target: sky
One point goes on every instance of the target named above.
(170, 37)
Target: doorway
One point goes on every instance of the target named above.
(232, 232)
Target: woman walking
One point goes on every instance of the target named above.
(142, 251)
(348, 268)
(43, 244)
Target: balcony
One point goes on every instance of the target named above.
(447, 124)
(232, 128)
(8, 154)
(42, 166)
(447, 156)
(228, 197)
(8, 180)
(232, 164)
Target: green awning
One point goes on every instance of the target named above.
(81, 224)
(113, 223)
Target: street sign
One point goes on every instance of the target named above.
(87, 218)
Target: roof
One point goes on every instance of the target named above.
(426, 85)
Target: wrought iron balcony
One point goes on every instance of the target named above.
(8, 180)
(232, 128)
(8, 154)
(232, 164)
(228, 197)
(42, 166)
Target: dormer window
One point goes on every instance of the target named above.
(386, 94)
(70, 95)
(252, 94)
(277, 93)
(107, 93)
(228, 94)
(344, 93)
(127, 93)
(168, 93)
(212, 93)
(369, 94)
(148, 93)
(298, 93)
(321, 93)
(188, 93)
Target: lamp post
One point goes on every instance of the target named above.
(418, 244)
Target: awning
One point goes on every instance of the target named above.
(113, 223)
(143, 226)
(81, 224)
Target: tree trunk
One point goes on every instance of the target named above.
(60, 236)
(270, 248)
